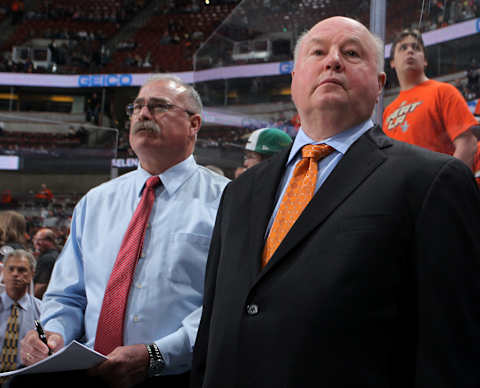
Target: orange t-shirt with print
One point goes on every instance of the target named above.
(430, 115)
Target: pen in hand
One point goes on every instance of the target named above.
(41, 334)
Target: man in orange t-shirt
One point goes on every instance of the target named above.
(427, 113)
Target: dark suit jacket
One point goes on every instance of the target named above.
(376, 285)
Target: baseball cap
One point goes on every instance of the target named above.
(268, 141)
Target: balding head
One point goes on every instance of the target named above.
(377, 41)
(44, 240)
(336, 79)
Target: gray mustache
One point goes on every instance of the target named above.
(146, 125)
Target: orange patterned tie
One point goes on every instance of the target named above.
(297, 195)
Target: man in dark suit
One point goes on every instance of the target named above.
(376, 283)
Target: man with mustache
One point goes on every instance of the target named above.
(427, 113)
(149, 340)
(355, 270)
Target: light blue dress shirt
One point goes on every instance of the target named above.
(29, 311)
(341, 142)
(165, 299)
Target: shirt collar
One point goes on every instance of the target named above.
(8, 302)
(171, 179)
(341, 142)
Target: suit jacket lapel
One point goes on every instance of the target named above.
(358, 163)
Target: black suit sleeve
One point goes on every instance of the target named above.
(447, 263)
(201, 343)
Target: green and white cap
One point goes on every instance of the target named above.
(268, 141)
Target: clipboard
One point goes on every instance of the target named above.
(74, 356)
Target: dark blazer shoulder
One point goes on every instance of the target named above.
(383, 141)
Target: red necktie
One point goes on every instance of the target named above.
(111, 321)
(298, 194)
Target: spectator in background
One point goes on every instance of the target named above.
(13, 228)
(476, 165)
(165, 39)
(18, 309)
(17, 8)
(45, 195)
(93, 108)
(476, 112)
(473, 77)
(427, 113)
(263, 143)
(46, 252)
(6, 199)
(239, 171)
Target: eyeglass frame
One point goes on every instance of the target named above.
(152, 105)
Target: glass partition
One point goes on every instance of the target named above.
(243, 69)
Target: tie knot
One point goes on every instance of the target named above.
(152, 182)
(316, 151)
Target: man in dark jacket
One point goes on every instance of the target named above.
(46, 252)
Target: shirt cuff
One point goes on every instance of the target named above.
(176, 351)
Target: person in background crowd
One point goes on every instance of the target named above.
(263, 143)
(476, 112)
(476, 165)
(46, 252)
(93, 109)
(238, 171)
(18, 308)
(13, 228)
(427, 113)
(129, 281)
(45, 195)
(6, 198)
(350, 259)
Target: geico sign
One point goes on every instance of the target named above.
(104, 80)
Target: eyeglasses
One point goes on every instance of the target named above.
(154, 108)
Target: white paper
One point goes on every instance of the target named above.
(72, 357)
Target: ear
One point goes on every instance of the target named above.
(392, 63)
(382, 78)
(195, 123)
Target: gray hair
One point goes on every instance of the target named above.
(379, 48)
(19, 254)
(193, 98)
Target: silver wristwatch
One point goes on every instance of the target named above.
(156, 363)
